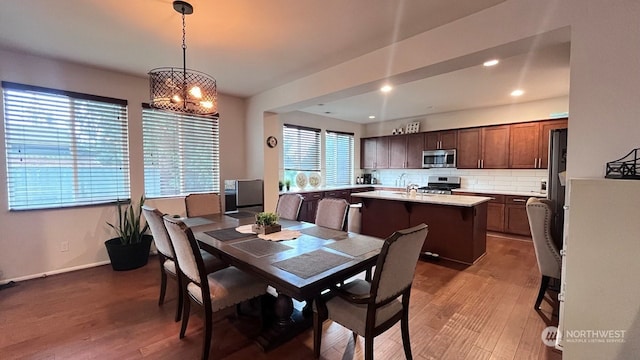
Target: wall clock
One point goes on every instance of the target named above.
(272, 141)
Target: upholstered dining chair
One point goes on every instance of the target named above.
(369, 309)
(549, 261)
(215, 291)
(332, 213)
(289, 206)
(202, 204)
(167, 256)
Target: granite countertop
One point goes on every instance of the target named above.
(437, 199)
(325, 188)
(503, 192)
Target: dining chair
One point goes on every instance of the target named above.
(370, 308)
(332, 213)
(202, 204)
(214, 291)
(289, 206)
(166, 256)
(540, 214)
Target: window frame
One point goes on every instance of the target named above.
(329, 173)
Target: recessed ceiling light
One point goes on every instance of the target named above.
(386, 88)
(492, 62)
(372, 117)
(517, 92)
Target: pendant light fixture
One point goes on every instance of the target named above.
(182, 89)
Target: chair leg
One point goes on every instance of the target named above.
(404, 327)
(185, 316)
(368, 348)
(544, 283)
(181, 295)
(163, 285)
(208, 331)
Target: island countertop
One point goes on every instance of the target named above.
(437, 199)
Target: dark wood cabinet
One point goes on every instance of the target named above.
(495, 211)
(355, 200)
(309, 206)
(415, 146)
(374, 153)
(483, 148)
(468, 154)
(529, 144)
(435, 140)
(338, 194)
(515, 215)
(398, 152)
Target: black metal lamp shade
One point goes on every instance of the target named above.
(181, 90)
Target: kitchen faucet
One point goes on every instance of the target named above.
(400, 181)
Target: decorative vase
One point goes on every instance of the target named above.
(266, 229)
(130, 256)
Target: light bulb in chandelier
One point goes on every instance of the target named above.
(196, 92)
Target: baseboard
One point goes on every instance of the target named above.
(55, 272)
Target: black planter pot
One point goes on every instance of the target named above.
(128, 257)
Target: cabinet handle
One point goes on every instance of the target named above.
(519, 200)
(535, 163)
(478, 163)
(482, 164)
(440, 144)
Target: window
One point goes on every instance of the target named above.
(301, 150)
(64, 148)
(181, 153)
(338, 158)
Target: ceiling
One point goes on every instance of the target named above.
(251, 46)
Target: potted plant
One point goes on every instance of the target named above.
(280, 185)
(287, 183)
(266, 223)
(130, 249)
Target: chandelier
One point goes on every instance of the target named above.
(182, 89)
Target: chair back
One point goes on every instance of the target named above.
(540, 215)
(158, 230)
(186, 249)
(397, 263)
(332, 213)
(289, 206)
(202, 204)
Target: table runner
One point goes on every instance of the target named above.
(311, 263)
(324, 233)
(356, 247)
(227, 234)
(260, 248)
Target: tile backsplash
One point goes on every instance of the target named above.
(471, 179)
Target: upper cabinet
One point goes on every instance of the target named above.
(398, 152)
(529, 143)
(415, 146)
(483, 148)
(436, 140)
(374, 153)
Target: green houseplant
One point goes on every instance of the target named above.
(130, 249)
(287, 183)
(266, 223)
(280, 185)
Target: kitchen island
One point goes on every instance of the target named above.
(457, 223)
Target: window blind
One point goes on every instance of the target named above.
(181, 153)
(64, 148)
(338, 158)
(301, 148)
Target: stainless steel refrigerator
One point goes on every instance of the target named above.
(556, 185)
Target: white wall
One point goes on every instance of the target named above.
(603, 106)
(30, 240)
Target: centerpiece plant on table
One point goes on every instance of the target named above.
(266, 223)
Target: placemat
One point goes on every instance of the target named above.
(260, 248)
(227, 234)
(355, 246)
(311, 263)
(324, 233)
(241, 215)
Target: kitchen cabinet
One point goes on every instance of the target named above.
(338, 194)
(415, 146)
(374, 153)
(515, 215)
(483, 148)
(355, 200)
(309, 206)
(529, 143)
(398, 152)
(495, 211)
(435, 140)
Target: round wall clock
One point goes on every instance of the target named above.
(272, 141)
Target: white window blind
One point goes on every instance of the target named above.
(64, 148)
(301, 148)
(181, 153)
(338, 158)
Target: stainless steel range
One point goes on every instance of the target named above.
(440, 185)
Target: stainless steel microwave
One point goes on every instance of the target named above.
(439, 158)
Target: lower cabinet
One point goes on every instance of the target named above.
(495, 214)
(309, 206)
(515, 215)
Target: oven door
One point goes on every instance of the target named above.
(439, 159)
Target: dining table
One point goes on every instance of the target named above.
(300, 268)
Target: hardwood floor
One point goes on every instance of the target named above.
(484, 311)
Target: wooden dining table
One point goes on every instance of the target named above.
(301, 268)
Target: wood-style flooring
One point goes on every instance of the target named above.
(484, 311)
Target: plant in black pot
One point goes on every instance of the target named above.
(130, 249)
